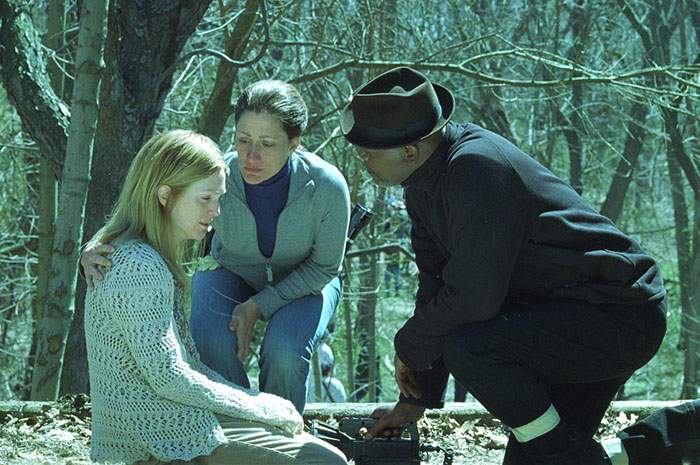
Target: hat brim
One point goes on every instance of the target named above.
(447, 104)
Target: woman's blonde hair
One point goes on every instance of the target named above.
(176, 159)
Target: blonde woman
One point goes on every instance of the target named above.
(153, 400)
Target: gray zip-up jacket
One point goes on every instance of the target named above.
(310, 239)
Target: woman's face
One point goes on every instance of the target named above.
(263, 146)
(196, 207)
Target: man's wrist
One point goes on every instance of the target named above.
(410, 407)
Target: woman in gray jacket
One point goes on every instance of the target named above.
(279, 244)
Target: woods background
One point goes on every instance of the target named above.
(604, 93)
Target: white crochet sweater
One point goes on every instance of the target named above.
(151, 394)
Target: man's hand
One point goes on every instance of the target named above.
(93, 257)
(242, 322)
(389, 422)
(406, 379)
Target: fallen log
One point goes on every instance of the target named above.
(463, 411)
(460, 411)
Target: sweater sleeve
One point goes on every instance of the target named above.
(145, 318)
(323, 263)
(487, 219)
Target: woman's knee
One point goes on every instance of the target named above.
(285, 356)
(295, 329)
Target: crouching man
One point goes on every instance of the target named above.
(529, 297)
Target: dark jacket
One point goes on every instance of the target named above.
(491, 226)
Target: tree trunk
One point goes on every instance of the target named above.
(47, 185)
(218, 107)
(574, 128)
(132, 94)
(367, 374)
(492, 115)
(349, 336)
(691, 319)
(60, 302)
(574, 141)
(44, 117)
(615, 198)
(365, 330)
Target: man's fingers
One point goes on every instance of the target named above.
(385, 427)
(88, 280)
(379, 427)
(392, 433)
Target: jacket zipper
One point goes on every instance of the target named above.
(268, 271)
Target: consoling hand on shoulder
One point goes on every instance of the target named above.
(92, 258)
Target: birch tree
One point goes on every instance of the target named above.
(59, 305)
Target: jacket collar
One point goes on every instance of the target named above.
(429, 173)
(299, 177)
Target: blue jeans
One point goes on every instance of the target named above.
(290, 338)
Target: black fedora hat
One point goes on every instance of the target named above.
(398, 107)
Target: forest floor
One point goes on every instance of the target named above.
(56, 438)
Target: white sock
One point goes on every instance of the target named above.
(538, 427)
(616, 451)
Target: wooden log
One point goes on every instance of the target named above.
(21, 408)
(463, 411)
(460, 411)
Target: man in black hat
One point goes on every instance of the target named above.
(535, 302)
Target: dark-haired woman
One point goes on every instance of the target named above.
(279, 242)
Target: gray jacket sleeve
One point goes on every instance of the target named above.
(323, 263)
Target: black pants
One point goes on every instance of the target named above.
(572, 355)
(665, 437)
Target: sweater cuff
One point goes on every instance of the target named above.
(269, 301)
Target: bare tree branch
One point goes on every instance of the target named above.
(636, 23)
(531, 83)
(386, 248)
(222, 56)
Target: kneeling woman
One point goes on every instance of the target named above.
(153, 400)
